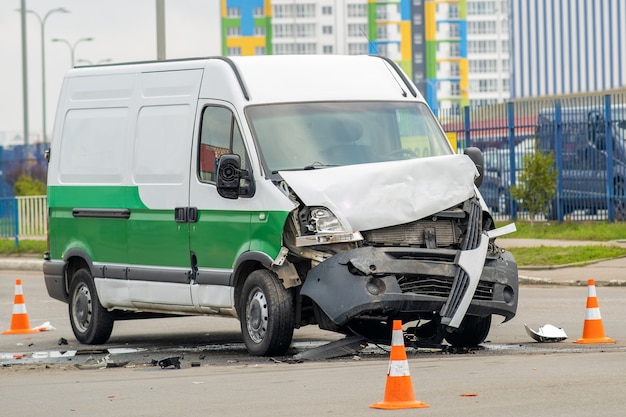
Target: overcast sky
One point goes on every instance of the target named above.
(122, 31)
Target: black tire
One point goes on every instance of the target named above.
(266, 312)
(92, 324)
(472, 332)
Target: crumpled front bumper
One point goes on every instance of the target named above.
(387, 281)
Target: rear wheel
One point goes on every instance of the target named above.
(266, 314)
(472, 332)
(92, 324)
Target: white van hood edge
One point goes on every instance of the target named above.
(371, 196)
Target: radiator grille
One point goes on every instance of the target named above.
(445, 232)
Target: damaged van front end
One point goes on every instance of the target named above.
(415, 243)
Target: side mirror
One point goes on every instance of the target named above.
(228, 176)
(476, 156)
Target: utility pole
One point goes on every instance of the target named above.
(160, 28)
(25, 85)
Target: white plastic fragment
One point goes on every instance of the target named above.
(547, 333)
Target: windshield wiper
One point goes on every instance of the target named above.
(317, 164)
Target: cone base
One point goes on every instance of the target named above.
(21, 331)
(399, 405)
(595, 340)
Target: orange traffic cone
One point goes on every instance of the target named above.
(399, 389)
(593, 330)
(19, 321)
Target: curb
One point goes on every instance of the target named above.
(21, 264)
(526, 280)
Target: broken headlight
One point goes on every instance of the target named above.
(324, 227)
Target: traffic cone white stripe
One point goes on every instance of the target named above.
(593, 314)
(19, 308)
(398, 368)
(397, 338)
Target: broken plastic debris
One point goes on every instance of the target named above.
(45, 327)
(547, 333)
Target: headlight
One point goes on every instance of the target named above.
(324, 221)
(325, 228)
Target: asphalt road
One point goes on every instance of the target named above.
(511, 375)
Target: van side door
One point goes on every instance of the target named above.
(222, 230)
(158, 232)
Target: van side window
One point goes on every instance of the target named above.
(219, 135)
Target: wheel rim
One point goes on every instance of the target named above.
(82, 308)
(256, 315)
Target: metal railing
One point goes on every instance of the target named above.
(587, 135)
(32, 217)
(23, 218)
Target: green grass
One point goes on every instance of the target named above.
(551, 255)
(595, 231)
(546, 255)
(25, 247)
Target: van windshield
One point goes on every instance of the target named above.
(300, 136)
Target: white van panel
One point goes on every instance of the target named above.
(93, 148)
(171, 84)
(161, 154)
(107, 87)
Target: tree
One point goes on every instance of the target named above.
(26, 185)
(536, 185)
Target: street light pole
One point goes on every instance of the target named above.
(72, 46)
(42, 21)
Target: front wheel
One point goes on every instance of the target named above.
(472, 332)
(266, 314)
(92, 324)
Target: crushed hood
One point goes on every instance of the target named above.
(372, 196)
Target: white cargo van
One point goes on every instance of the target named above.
(280, 190)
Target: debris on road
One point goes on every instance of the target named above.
(547, 333)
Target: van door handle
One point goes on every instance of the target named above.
(180, 214)
(186, 214)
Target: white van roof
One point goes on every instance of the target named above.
(284, 78)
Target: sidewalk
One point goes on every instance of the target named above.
(610, 272)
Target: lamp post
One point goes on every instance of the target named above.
(42, 21)
(72, 46)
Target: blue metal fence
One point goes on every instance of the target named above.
(587, 135)
(9, 218)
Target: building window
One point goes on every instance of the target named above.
(382, 33)
(357, 29)
(259, 50)
(259, 31)
(327, 49)
(234, 51)
(357, 10)
(455, 89)
(258, 12)
(233, 12)
(358, 48)
(381, 12)
(233, 31)
(327, 10)
(327, 30)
